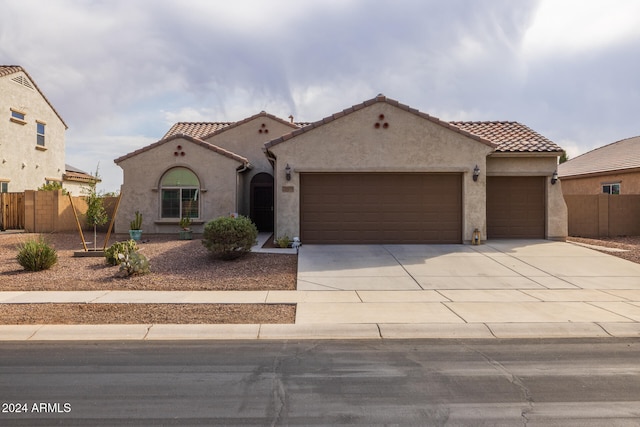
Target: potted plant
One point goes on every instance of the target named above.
(185, 230)
(135, 227)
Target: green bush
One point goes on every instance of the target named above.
(36, 255)
(283, 242)
(229, 238)
(111, 254)
(133, 263)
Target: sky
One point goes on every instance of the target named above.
(121, 72)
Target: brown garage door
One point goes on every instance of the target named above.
(380, 208)
(515, 207)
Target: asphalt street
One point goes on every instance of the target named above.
(418, 382)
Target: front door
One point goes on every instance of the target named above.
(262, 201)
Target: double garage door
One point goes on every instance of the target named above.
(394, 208)
(380, 208)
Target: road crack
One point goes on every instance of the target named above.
(513, 379)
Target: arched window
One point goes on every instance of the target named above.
(179, 190)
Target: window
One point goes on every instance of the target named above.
(4, 187)
(179, 193)
(611, 188)
(18, 116)
(40, 132)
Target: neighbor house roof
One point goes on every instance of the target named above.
(75, 174)
(619, 156)
(6, 70)
(511, 137)
(204, 130)
(379, 98)
(197, 141)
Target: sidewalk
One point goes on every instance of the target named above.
(362, 315)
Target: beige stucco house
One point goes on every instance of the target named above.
(378, 172)
(611, 169)
(32, 137)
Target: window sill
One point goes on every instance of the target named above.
(41, 148)
(18, 121)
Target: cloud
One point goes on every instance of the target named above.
(121, 72)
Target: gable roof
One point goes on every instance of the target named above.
(615, 157)
(6, 70)
(204, 130)
(511, 137)
(379, 98)
(196, 141)
(74, 174)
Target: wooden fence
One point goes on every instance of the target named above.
(603, 215)
(46, 211)
(11, 211)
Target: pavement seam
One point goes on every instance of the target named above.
(147, 332)
(403, 267)
(451, 310)
(34, 333)
(359, 297)
(379, 330)
(610, 311)
(490, 330)
(603, 328)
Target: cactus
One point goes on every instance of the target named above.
(136, 224)
(133, 263)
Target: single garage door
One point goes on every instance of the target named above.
(375, 208)
(515, 207)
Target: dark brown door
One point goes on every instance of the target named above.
(515, 207)
(262, 201)
(375, 208)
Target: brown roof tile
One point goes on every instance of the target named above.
(197, 141)
(511, 137)
(379, 98)
(204, 130)
(618, 156)
(6, 70)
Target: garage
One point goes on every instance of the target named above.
(375, 208)
(515, 207)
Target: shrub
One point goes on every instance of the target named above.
(133, 263)
(112, 252)
(229, 238)
(36, 255)
(283, 242)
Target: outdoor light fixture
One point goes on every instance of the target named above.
(287, 172)
(476, 173)
(554, 177)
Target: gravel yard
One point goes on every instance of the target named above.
(175, 265)
(631, 245)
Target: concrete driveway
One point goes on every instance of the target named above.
(499, 286)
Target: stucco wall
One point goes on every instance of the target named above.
(248, 140)
(536, 165)
(353, 143)
(629, 183)
(141, 180)
(22, 162)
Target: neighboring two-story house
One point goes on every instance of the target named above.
(32, 137)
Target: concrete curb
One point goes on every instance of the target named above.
(143, 332)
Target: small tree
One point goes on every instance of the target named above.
(96, 214)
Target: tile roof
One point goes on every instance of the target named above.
(511, 137)
(379, 98)
(197, 141)
(196, 129)
(204, 130)
(615, 157)
(6, 70)
(74, 174)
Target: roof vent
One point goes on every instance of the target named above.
(22, 80)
